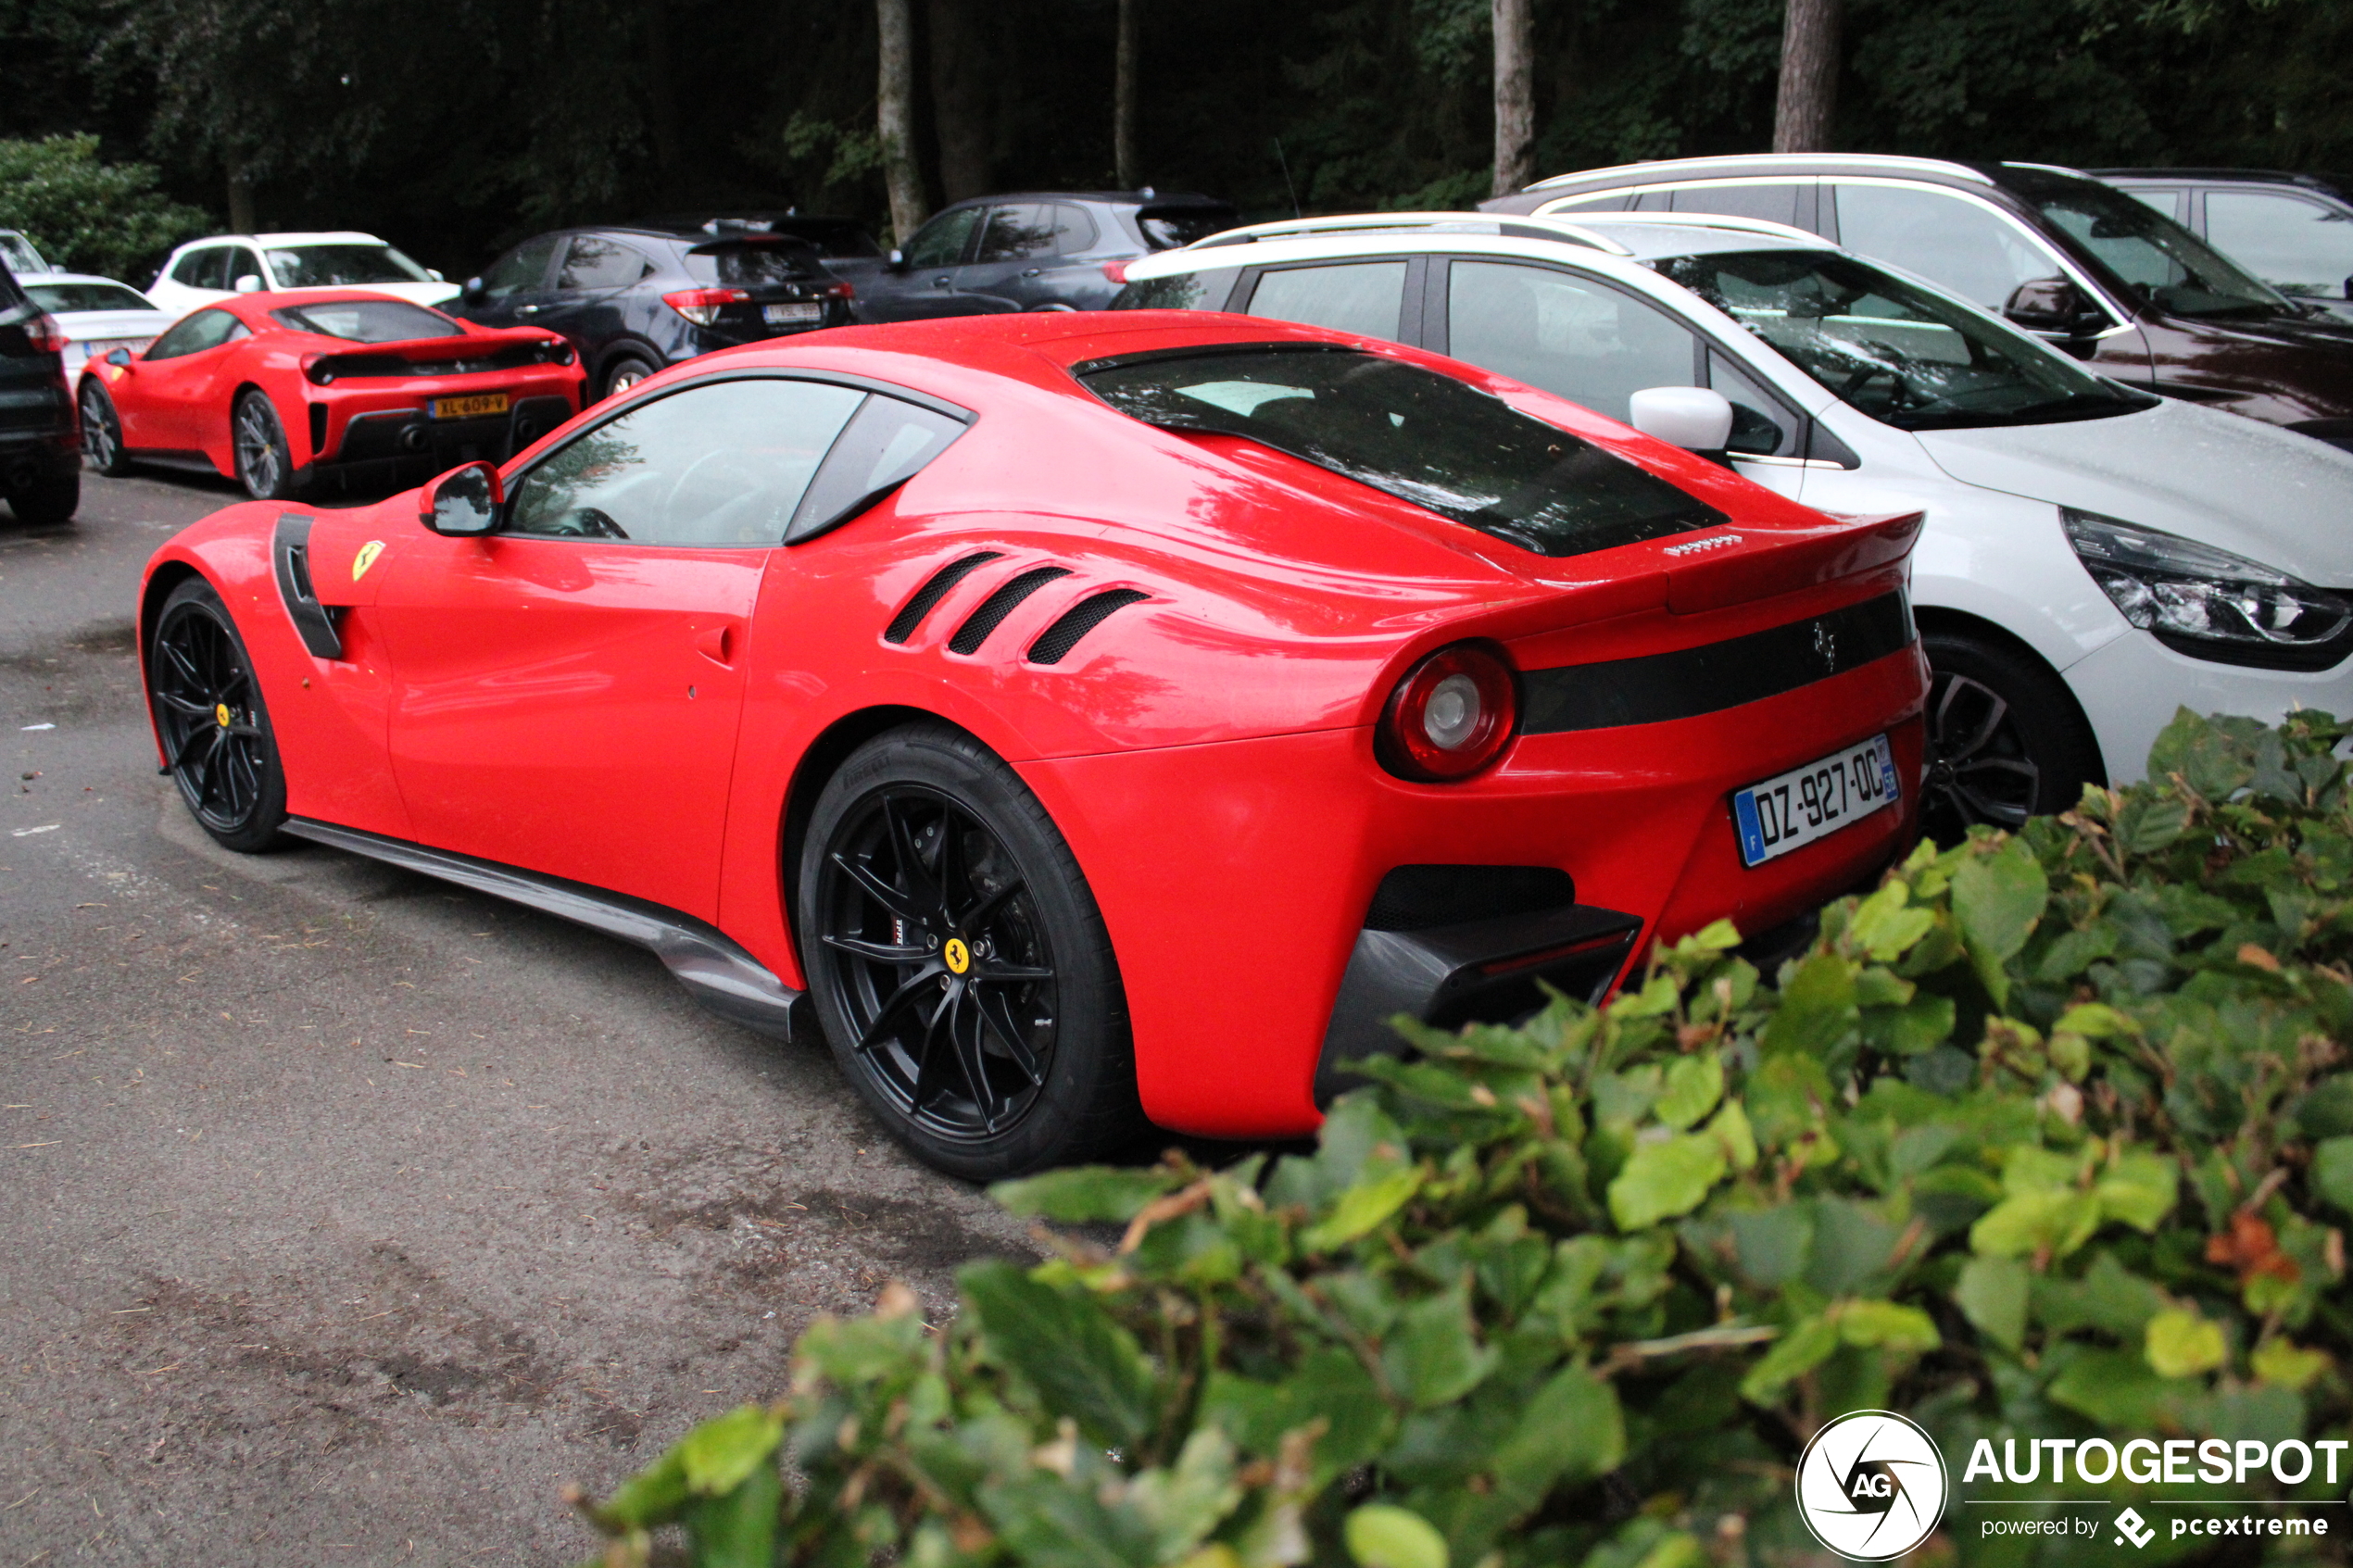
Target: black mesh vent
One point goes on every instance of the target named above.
(317, 427)
(1417, 897)
(911, 615)
(1079, 619)
(998, 605)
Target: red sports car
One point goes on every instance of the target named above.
(1072, 715)
(284, 391)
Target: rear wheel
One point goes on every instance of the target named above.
(957, 962)
(47, 501)
(265, 465)
(624, 373)
(2006, 738)
(214, 731)
(102, 433)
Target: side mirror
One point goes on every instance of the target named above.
(464, 501)
(470, 291)
(898, 259)
(2048, 304)
(249, 284)
(435, 274)
(120, 358)
(1690, 417)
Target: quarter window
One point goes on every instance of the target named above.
(1366, 297)
(1775, 202)
(717, 466)
(1585, 341)
(2297, 246)
(1970, 250)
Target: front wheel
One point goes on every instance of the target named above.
(2006, 739)
(102, 433)
(957, 962)
(265, 465)
(209, 712)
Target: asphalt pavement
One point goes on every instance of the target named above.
(346, 1216)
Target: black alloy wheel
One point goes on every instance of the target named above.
(102, 433)
(265, 465)
(2006, 739)
(624, 373)
(957, 962)
(209, 714)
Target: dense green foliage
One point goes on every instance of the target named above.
(2050, 1136)
(455, 126)
(85, 215)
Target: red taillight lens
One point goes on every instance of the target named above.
(703, 306)
(1115, 270)
(1451, 715)
(843, 290)
(46, 337)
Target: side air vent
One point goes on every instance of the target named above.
(318, 430)
(911, 615)
(998, 605)
(1079, 619)
(1419, 898)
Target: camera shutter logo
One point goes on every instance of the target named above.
(1871, 1485)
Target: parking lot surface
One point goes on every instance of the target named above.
(349, 1215)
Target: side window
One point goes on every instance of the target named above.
(196, 332)
(190, 268)
(1977, 254)
(1608, 201)
(244, 263)
(592, 262)
(888, 442)
(1762, 425)
(719, 466)
(1582, 340)
(1777, 201)
(1016, 233)
(2165, 202)
(2295, 246)
(521, 269)
(1357, 296)
(942, 242)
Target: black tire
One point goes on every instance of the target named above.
(2006, 738)
(213, 723)
(957, 962)
(265, 463)
(626, 371)
(48, 501)
(102, 432)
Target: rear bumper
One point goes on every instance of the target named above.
(395, 447)
(30, 456)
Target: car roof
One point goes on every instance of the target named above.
(1666, 169)
(320, 237)
(2331, 182)
(251, 306)
(74, 278)
(1606, 237)
(1108, 198)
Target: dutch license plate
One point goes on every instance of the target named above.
(1794, 808)
(789, 314)
(473, 407)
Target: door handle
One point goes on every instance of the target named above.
(527, 309)
(941, 282)
(717, 644)
(1030, 271)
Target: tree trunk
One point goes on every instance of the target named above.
(1123, 100)
(894, 118)
(1515, 25)
(662, 91)
(959, 99)
(241, 218)
(1809, 77)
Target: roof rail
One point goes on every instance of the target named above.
(1706, 221)
(1535, 228)
(1742, 163)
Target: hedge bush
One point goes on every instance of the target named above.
(2049, 1136)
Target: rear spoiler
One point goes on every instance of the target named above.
(476, 351)
(1785, 560)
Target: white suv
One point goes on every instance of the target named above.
(204, 271)
(2094, 557)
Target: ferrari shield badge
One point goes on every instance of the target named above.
(366, 559)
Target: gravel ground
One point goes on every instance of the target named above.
(347, 1216)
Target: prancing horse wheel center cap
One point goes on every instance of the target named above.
(958, 957)
(220, 714)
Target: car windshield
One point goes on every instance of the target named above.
(368, 321)
(1420, 436)
(2168, 266)
(17, 252)
(61, 298)
(1897, 351)
(312, 267)
(1169, 228)
(752, 262)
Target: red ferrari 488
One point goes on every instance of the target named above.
(1072, 716)
(284, 391)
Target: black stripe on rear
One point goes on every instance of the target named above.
(911, 614)
(1079, 619)
(1715, 676)
(998, 605)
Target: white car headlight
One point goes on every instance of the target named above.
(2210, 603)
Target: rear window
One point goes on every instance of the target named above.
(64, 297)
(749, 263)
(367, 320)
(343, 266)
(1168, 228)
(1413, 434)
(1185, 291)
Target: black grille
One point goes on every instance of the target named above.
(998, 605)
(911, 615)
(1418, 898)
(317, 429)
(1079, 619)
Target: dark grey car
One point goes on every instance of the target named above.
(2293, 231)
(1039, 250)
(40, 441)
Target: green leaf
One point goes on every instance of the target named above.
(2332, 1172)
(1694, 1085)
(1666, 1177)
(848, 1351)
(2109, 1298)
(1793, 1355)
(1181, 1505)
(1919, 1026)
(1884, 925)
(1086, 1195)
(1361, 1208)
(1992, 1293)
(2118, 1389)
(651, 1497)
(723, 1451)
(2054, 1222)
(1997, 898)
(1381, 1534)
(1730, 1127)
(1572, 1430)
(737, 1528)
(1328, 1385)
(2181, 1344)
(2286, 1365)
(1887, 1325)
(2139, 1189)
(1066, 1347)
(1817, 1008)
(1433, 1356)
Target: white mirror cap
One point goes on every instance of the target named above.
(249, 284)
(1690, 417)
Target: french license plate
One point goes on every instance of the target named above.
(473, 407)
(1794, 808)
(790, 315)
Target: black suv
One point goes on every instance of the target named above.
(2293, 231)
(2108, 278)
(1037, 250)
(634, 300)
(40, 441)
